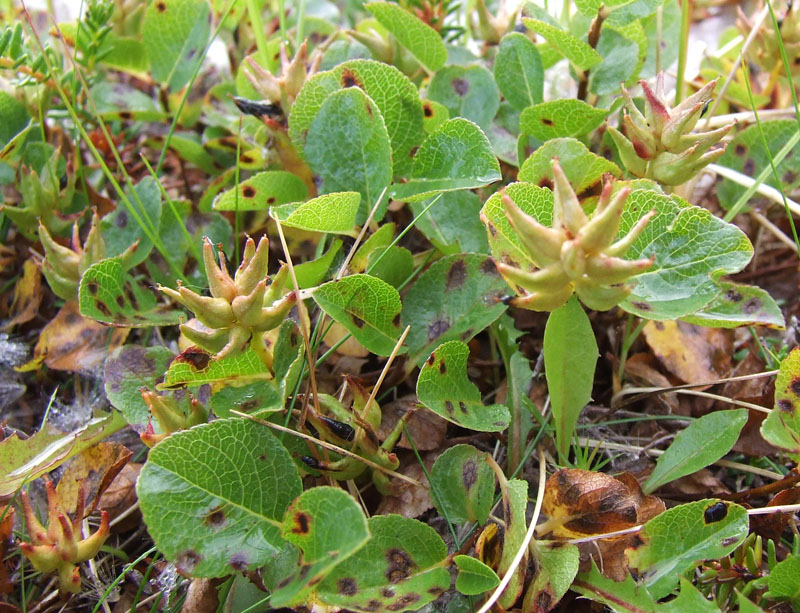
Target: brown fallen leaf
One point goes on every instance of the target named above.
(582, 503)
(426, 428)
(75, 343)
(202, 596)
(27, 295)
(695, 354)
(120, 496)
(91, 472)
(642, 368)
(773, 525)
(409, 499)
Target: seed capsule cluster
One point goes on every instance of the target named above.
(577, 254)
(659, 144)
(240, 310)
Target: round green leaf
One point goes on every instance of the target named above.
(334, 213)
(261, 191)
(214, 497)
(467, 91)
(120, 229)
(560, 118)
(367, 306)
(582, 167)
(462, 485)
(781, 428)
(348, 147)
(444, 388)
(518, 71)
(126, 371)
(419, 38)
(739, 305)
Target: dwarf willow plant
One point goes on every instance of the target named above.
(342, 123)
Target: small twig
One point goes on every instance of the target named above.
(788, 481)
(690, 392)
(774, 230)
(593, 38)
(384, 372)
(330, 447)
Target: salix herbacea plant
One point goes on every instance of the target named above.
(660, 144)
(61, 547)
(578, 254)
(240, 310)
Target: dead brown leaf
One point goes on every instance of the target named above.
(409, 499)
(120, 495)
(772, 526)
(6, 537)
(75, 343)
(426, 428)
(642, 368)
(695, 354)
(92, 472)
(27, 295)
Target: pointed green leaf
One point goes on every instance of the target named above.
(328, 526)
(474, 577)
(175, 33)
(334, 213)
(419, 38)
(444, 388)
(784, 581)
(462, 485)
(348, 147)
(213, 497)
(467, 91)
(310, 274)
(560, 118)
(518, 71)
(261, 191)
(400, 568)
(570, 358)
(112, 296)
(578, 52)
(679, 538)
(456, 156)
(703, 442)
(456, 298)
(368, 307)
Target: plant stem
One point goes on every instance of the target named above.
(683, 49)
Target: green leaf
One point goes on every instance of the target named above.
(196, 367)
(678, 539)
(396, 97)
(444, 388)
(382, 237)
(781, 428)
(175, 33)
(703, 442)
(368, 307)
(582, 167)
(120, 229)
(28, 459)
(434, 114)
(15, 118)
(261, 191)
(503, 240)
(348, 147)
(515, 504)
(252, 398)
(112, 296)
(570, 358)
(474, 577)
(328, 526)
(560, 118)
(746, 154)
(453, 223)
(590, 7)
(784, 581)
(692, 249)
(462, 485)
(467, 91)
(456, 298)
(400, 568)
(396, 264)
(556, 566)
(310, 274)
(334, 213)
(419, 38)
(739, 305)
(518, 71)
(620, 61)
(213, 497)
(578, 52)
(456, 156)
(129, 369)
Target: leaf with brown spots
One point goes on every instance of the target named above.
(556, 566)
(739, 305)
(455, 299)
(112, 296)
(328, 527)
(72, 342)
(781, 428)
(462, 485)
(399, 569)
(261, 191)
